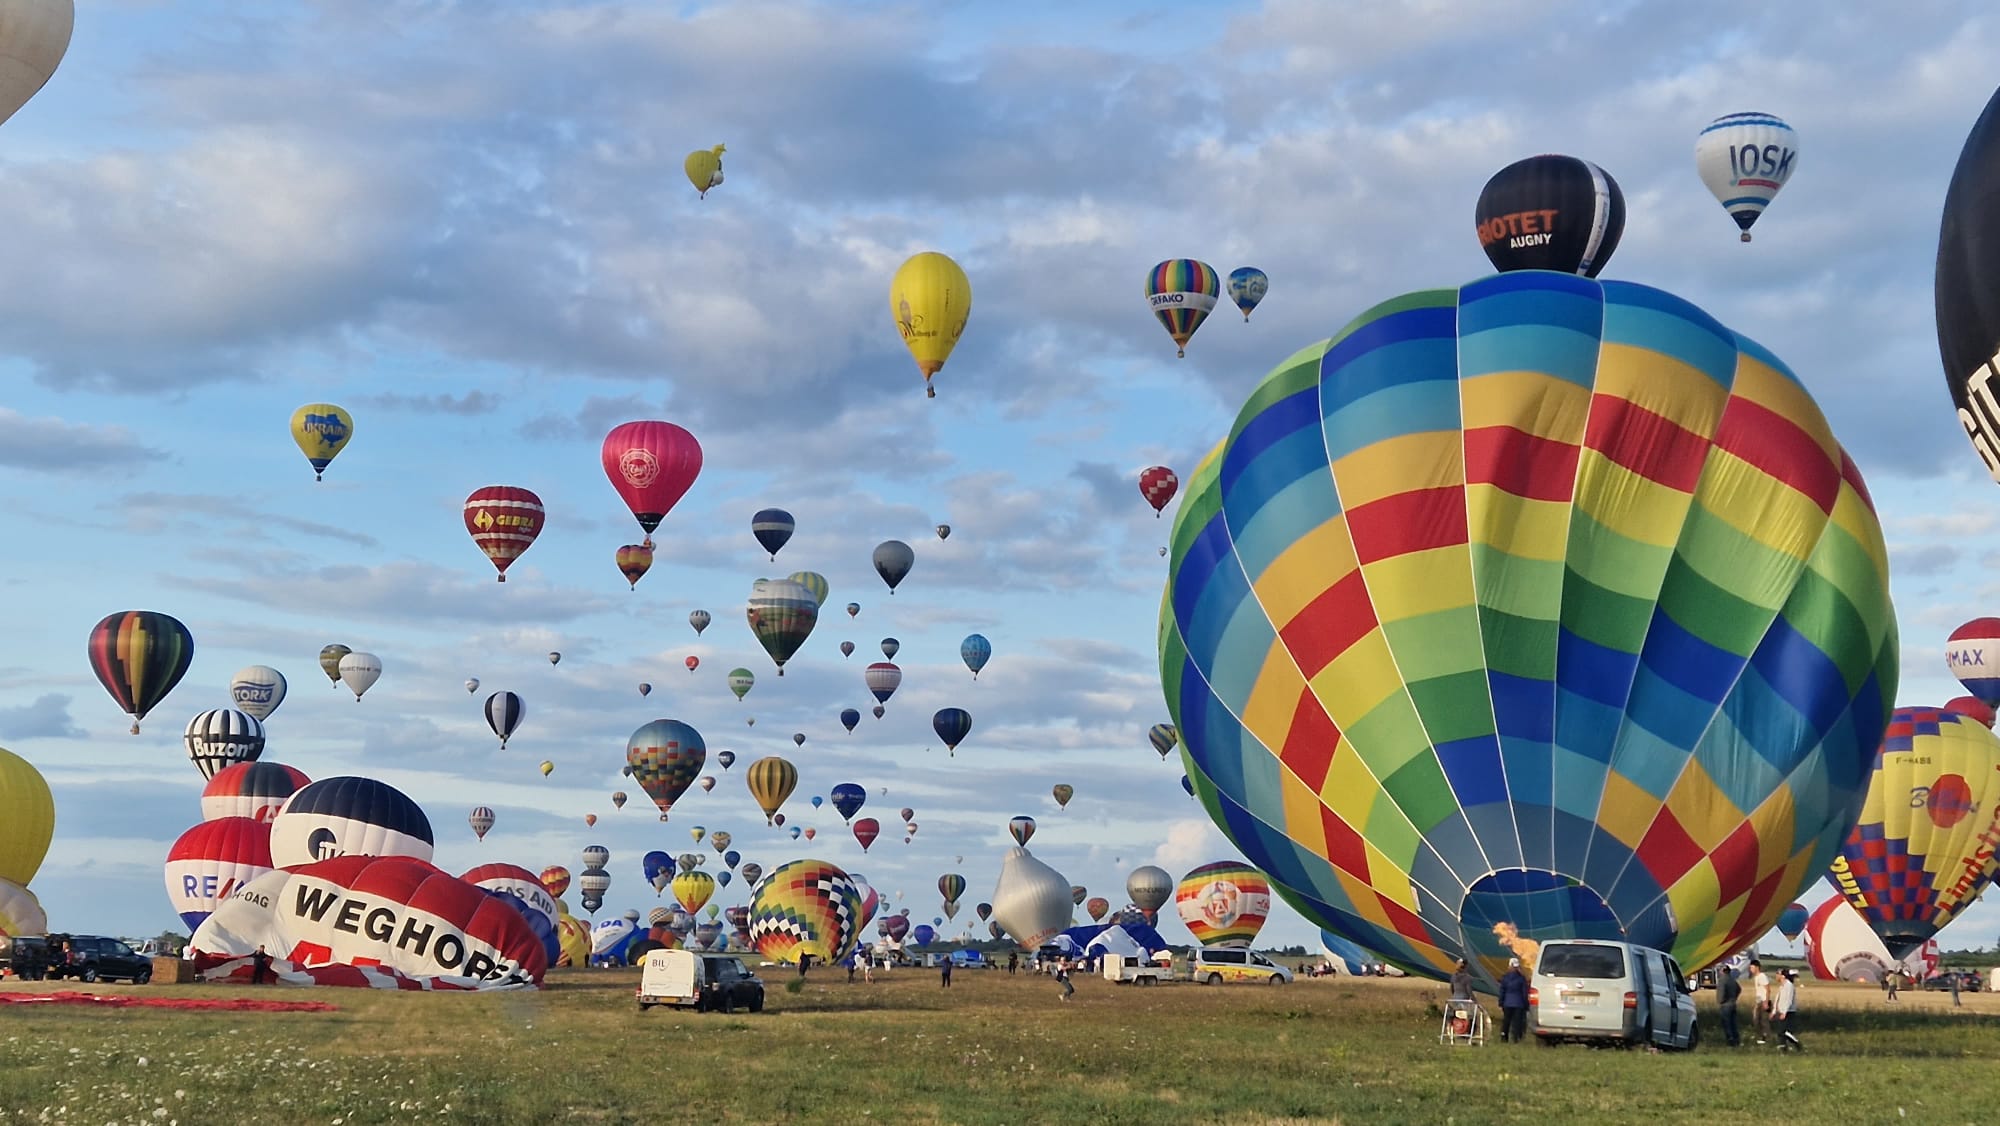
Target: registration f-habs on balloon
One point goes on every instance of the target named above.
(1545, 601)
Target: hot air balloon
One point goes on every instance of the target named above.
(556, 879)
(503, 714)
(1656, 818)
(1097, 908)
(906, 813)
(555, 658)
(596, 856)
(984, 911)
(139, 655)
(547, 768)
(848, 798)
(1551, 212)
(704, 170)
(877, 710)
(720, 839)
(1924, 848)
(951, 886)
(814, 582)
(883, 678)
(693, 890)
(692, 663)
(930, 299)
(866, 830)
(1967, 293)
(645, 689)
(1163, 736)
(1792, 920)
(1063, 792)
(810, 833)
(771, 781)
(853, 609)
(952, 725)
(321, 431)
(741, 680)
(471, 685)
(943, 531)
(634, 560)
(752, 871)
(329, 662)
(1247, 286)
(481, 819)
(708, 781)
(1181, 292)
(799, 740)
(256, 790)
(1971, 708)
(359, 671)
(726, 758)
(893, 560)
(773, 528)
(847, 649)
(30, 821)
(1022, 829)
(699, 619)
(618, 799)
(221, 738)
(1031, 901)
(503, 521)
(652, 464)
(1744, 158)
(782, 614)
(658, 868)
(891, 647)
(1224, 904)
(257, 690)
(849, 718)
(310, 920)
(1158, 484)
(348, 817)
(805, 907)
(1149, 887)
(975, 651)
(666, 756)
(1973, 655)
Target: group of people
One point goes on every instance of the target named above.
(1774, 1013)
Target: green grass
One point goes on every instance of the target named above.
(994, 1049)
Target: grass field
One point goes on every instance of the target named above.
(994, 1049)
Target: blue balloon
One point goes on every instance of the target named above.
(975, 651)
(922, 935)
(655, 864)
(1188, 785)
(849, 717)
(952, 725)
(730, 858)
(818, 801)
(848, 798)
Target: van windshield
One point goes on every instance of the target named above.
(1582, 961)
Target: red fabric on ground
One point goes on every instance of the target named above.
(230, 1005)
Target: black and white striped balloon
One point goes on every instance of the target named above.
(221, 738)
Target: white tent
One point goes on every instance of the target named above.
(1115, 941)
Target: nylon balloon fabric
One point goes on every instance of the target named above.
(1544, 602)
(806, 907)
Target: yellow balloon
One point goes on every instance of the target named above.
(930, 299)
(704, 169)
(322, 431)
(27, 818)
(548, 768)
(573, 938)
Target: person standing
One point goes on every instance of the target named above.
(1062, 977)
(1013, 962)
(1952, 980)
(1461, 981)
(1787, 1009)
(1728, 992)
(1760, 996)
(944, 973)
(1513, 1003)
(1893, 979)
(260, 967)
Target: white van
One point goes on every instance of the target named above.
(1592, 991)
(1213, 966)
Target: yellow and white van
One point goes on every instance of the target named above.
(1213, 966)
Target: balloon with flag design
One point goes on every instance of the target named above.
(1224, 903)
(1546, 602)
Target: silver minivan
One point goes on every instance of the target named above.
(1610, 992)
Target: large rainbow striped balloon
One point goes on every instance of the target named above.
(1924, 848)
(1224, 903)
(805, 907)
(1547, 604)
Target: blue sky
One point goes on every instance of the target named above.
(467, 223)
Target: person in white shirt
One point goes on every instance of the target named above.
(1787, 1011)
(1760, 983)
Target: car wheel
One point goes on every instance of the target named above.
(1694, 1036)
(644, 1005)
(757, 1001)
(1214, 979)
(142, 977)
(90, 975)
(1277, 979)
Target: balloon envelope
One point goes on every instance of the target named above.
(1551, 212)
(893, 560)
(666, 756)
(1182, 292)
(29, 823)
(211, 861)
(1744, 159)
(321, 431)
(930, 299)
(1031, 902)
(1600, 468)
(1247, 287)
(348, 816)
(1224, 903)
(257, 691)
(773, 528)
(139, 655)
(222, 737)
(652, 464)
(503, 521)
(256, 790)
(34, 36)
(1967, 287)
(805, 907)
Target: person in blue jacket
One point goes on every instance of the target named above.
(1513, 1003)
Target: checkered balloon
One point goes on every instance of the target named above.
(805, 907)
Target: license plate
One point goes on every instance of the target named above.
(1579, 998)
